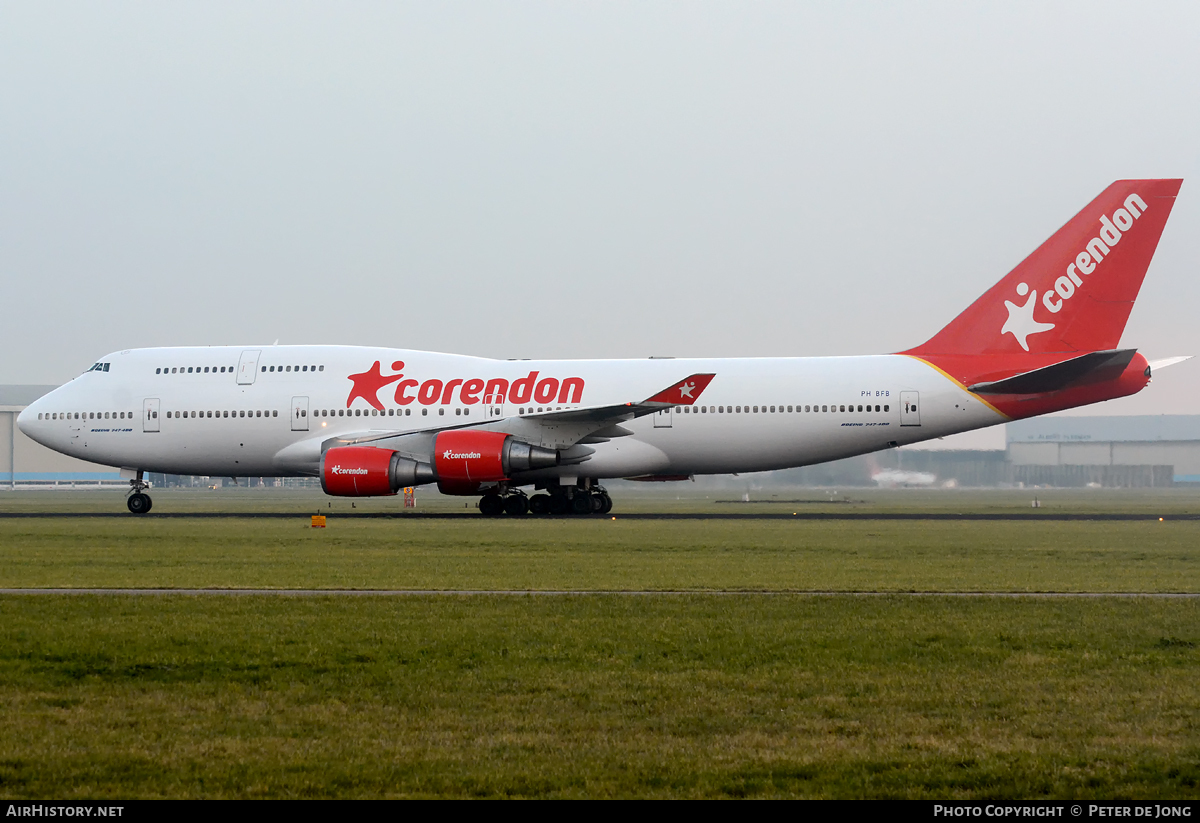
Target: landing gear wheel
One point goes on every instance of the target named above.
(516, 504)
(606, 506)
(539, 504)
(139, 503)
(491, 505)
(597, 501)
(581, 504)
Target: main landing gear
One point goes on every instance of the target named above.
(139, 502)
(556, 500)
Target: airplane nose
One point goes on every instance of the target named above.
(25, 419)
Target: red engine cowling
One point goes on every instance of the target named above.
(365, 471)
(465, 458)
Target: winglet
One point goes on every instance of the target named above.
(685, 392)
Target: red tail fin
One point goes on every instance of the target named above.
(1075, 292)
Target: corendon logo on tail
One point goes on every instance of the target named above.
(1021, 323)
(528, 389)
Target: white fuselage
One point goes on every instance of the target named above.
(266, 411)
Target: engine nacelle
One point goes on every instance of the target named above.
(464, 458)
(365, 471)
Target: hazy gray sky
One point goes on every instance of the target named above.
(573, 179)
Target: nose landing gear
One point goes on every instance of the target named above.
(139, 502)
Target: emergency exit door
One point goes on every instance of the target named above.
(910, 414)
(150, 414)
(299, 414)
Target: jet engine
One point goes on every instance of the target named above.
(461, 461)
(364, 471)
(465, 458)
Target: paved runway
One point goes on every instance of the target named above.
(566, 593)
(966, 516)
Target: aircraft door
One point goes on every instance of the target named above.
(663, 418)
(299, 414)
(150, 414)
(493, 407)
(248, 367)
(909, 414)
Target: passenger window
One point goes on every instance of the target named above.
(158, 371)
(264, 368)
(424, 412)
(275, 412)
(887, 408)
(304, 369)
(322, 368)
(441, 411)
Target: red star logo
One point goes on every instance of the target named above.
(368, 383)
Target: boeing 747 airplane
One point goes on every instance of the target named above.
(370, 421)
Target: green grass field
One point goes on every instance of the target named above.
(700, 694)
(604, 695)
(472, 552)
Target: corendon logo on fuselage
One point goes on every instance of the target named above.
(529, 389)
(1021, 323)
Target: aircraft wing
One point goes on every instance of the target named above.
(550, 429)
(596, 424)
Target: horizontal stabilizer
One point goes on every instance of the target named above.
(1094, 367)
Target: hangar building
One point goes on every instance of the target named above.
(1141, 450)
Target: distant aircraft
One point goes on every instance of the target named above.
(370, 421)
(902, 477)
